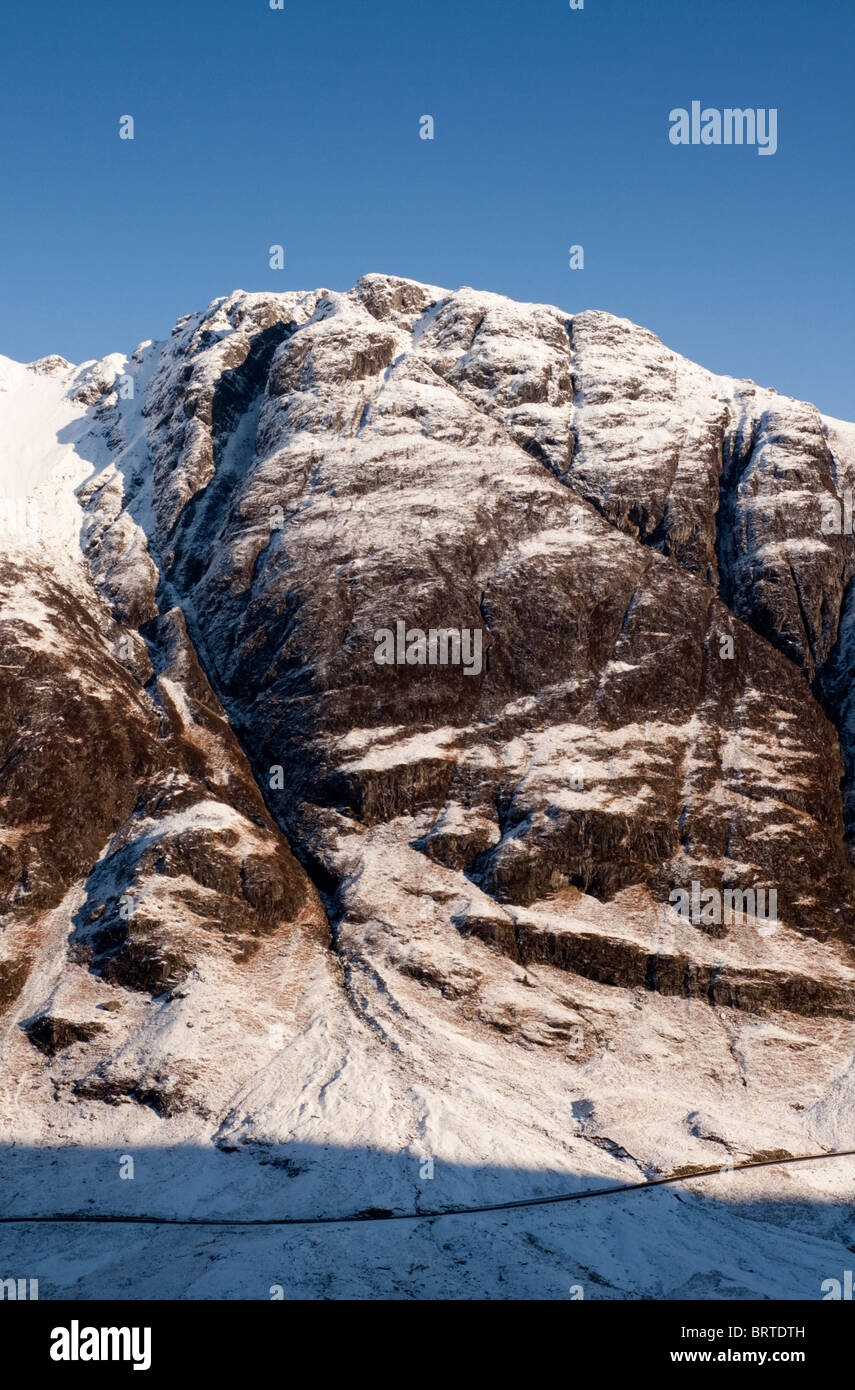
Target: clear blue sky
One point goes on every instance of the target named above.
(300, 127)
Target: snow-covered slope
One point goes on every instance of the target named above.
(309, 934)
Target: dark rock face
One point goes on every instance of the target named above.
(79, 735)
(138, 792)
(637, 542)
(13, 977)
(201, 837)
(51, 1035)
(200, 734)
(631, 966)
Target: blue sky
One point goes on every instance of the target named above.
(300, 127)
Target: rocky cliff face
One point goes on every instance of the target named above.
(637, 542)
(261, 887)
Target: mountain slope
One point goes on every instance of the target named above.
(355, 915)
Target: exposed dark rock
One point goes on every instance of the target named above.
(51, 1035)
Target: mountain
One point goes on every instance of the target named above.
(310, 921)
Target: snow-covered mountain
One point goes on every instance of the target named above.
(309, 933)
